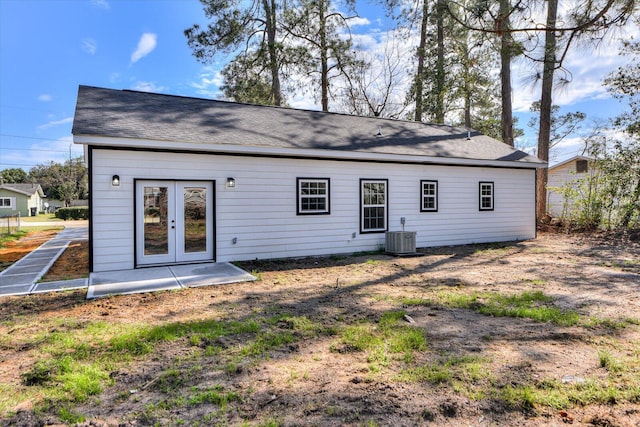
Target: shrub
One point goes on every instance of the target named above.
(78, 212)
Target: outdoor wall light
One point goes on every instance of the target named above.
(115, 181)
(231, 182)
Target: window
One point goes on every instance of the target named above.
(6, 202)
(373, 205)
(429, 194)
(313, 196)
(582, 166)
(486, 196)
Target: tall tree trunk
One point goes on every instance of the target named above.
(466, 89)
(467, 96)
(421, 54)
(545, 105)
(324, 54)
(270, 12)
(505, 71)
(440, 74)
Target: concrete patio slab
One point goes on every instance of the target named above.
(164, 278)
(124, 282)
(60, 285)
(194, 275)
(23, 277)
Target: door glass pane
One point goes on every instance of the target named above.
(155, 221)
(195, 219)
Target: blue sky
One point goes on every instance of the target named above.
(49, 47)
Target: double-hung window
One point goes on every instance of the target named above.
(429, 196)
(373, 205)
(486, 196)
(313, 196)
(6, 202)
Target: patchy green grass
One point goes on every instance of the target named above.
(468, 368)
(6, 238)
(76, 359)
(609, 362)
(494, 249)
(538, 283)
(594, 322)
(215, 395)
(383, 342)
(40, 218)
(553, 394)
(533, 305)
(415, 301)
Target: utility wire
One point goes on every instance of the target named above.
(32, 137)
(38, 149)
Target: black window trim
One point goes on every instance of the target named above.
(298, 207)
(422, 182)
(386, 205)
(493, 194)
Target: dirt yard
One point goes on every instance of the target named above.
(543, 332)
(12, 251)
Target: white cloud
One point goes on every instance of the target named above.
(45, 97)
(358, 20)
(114, 77)
(147, 43)
(54, 123)
(147, 87)
(104, 4)
(209, 83)
(89, 45)
(365, 41)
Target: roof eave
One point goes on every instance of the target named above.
(249, 150)
(569, 160)
(15, 190)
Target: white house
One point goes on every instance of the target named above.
(568, 172)
(176, 180)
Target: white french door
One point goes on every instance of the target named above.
(174, 221)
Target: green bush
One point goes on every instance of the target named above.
(78, 212)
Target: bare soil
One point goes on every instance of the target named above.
(14, 250)
(72, 264)
(318, 381)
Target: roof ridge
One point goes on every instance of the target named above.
(280, 107)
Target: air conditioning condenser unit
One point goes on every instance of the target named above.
(400, 242)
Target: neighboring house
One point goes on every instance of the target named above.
(568, 172)
(26, 199)
(175, 179)
(55, 204)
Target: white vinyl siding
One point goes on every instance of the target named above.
(560, 176)
(260, 212)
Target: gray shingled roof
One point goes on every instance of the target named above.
(141, 115)
(26, 189)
